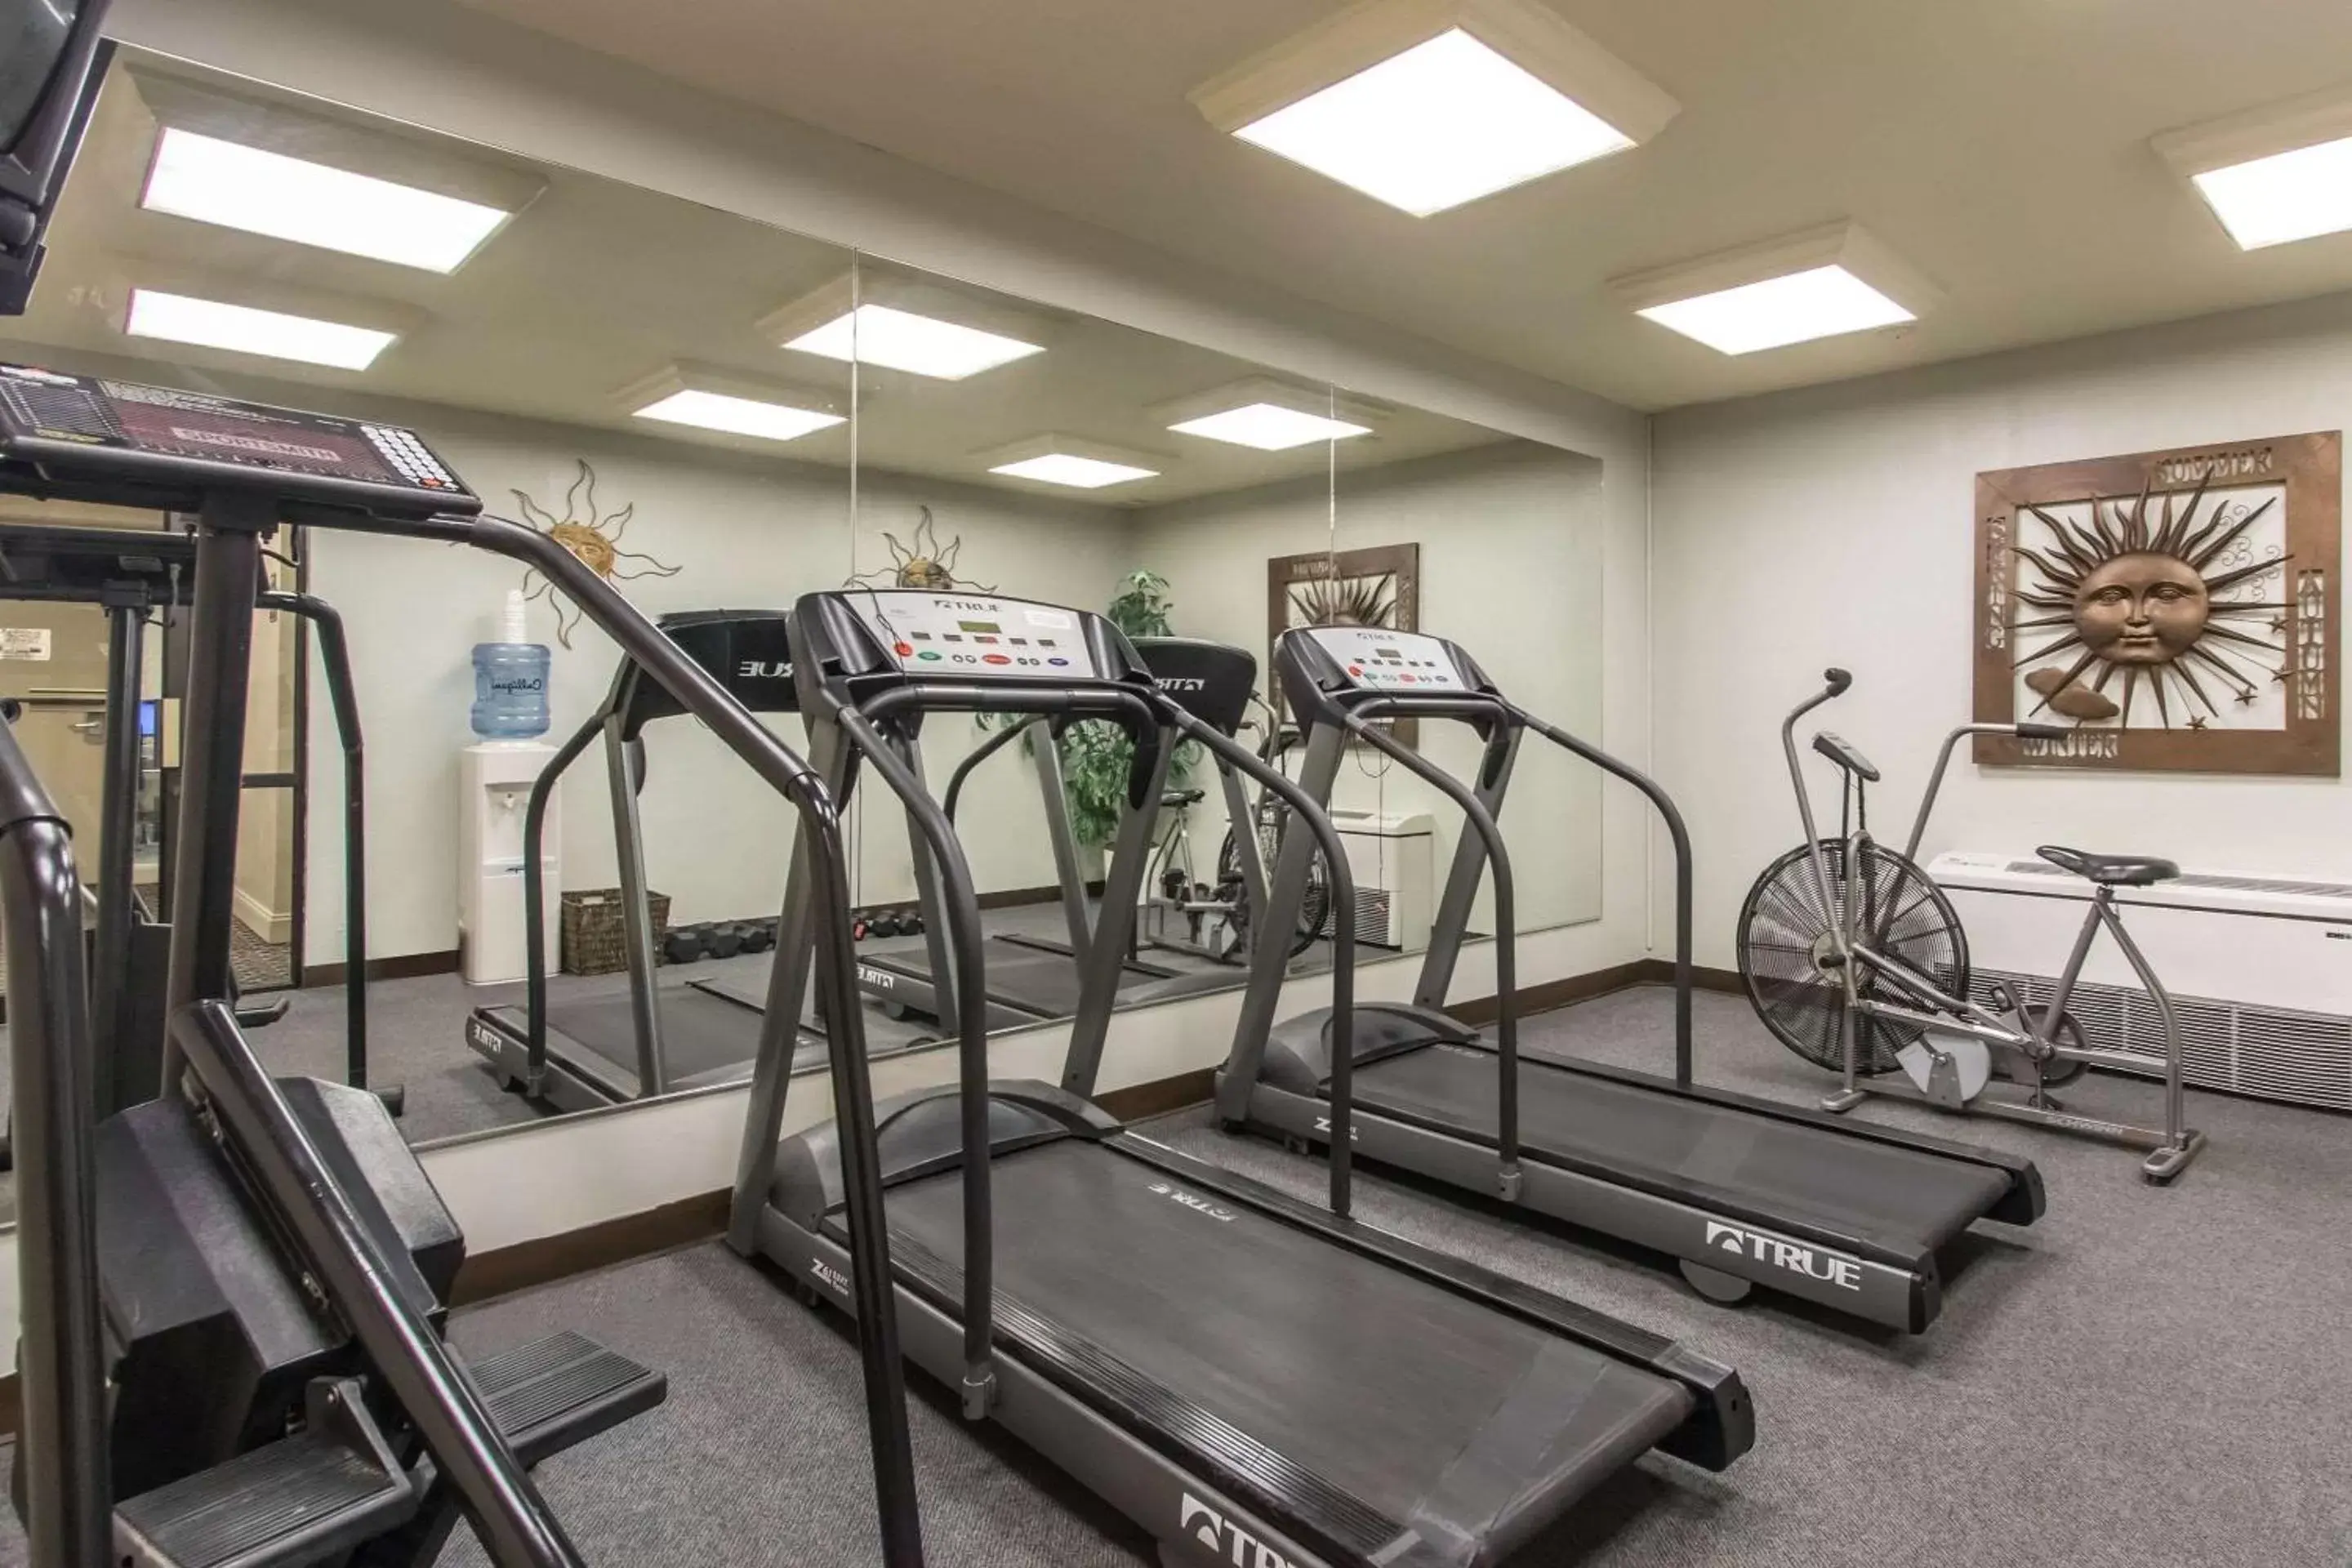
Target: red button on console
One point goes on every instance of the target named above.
(995, 659)
(903, 649)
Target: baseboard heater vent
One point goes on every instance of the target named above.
(2260, 967)
(2304, 1057)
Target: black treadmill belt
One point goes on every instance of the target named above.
(1819, 1175)
(1023, 978)
(1444, 1416)
(701, 1033)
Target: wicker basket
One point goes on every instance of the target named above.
(594, 937)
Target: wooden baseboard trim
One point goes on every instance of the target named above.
(1160, 1095)
(407, 966)
(501, 1272)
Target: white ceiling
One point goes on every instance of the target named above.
(1999, 146)
(595, 286)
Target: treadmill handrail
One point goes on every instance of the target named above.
(335, 663)
(1342, 883)
(62, 1440)
(961, 904)
(784, 771)
(534, 894)
(978, 754)
(1358, 720)
(1676, 831)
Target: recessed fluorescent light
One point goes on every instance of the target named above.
(1269, 427)
(1426, 104)
(1822, 303)
(246, 188)
(208, 323)
(1442, 124)
(2287, 197)
(901, 339)
(1817, 284)
(1079, 473)
(737, 416)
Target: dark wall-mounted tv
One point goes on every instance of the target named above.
(52, 56)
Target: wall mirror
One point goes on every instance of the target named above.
(727, 416)
(1185, 492)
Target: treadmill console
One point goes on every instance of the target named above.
(976, 635)
(90, 431)
(1376, 659)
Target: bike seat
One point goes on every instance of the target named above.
(1837, 749)
(2113, 870)
(1178, 799)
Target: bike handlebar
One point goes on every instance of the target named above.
(1838, 680)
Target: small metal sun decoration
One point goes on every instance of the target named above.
(1331, 600)
(2137, 595)
(926, 565)
(593, 539)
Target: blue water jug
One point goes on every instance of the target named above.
(510, 682)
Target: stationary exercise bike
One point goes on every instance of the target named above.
(1855, 960)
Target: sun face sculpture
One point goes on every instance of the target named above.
(924, 566)
(593, 538)
(1331, 600)
(2146, 598)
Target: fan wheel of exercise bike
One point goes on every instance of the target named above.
(1783, 941)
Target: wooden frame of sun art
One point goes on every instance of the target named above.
(2176, 610)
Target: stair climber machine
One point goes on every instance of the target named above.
(653, 1039)
(234, 1294)
(1250, 1378)
(1741, 1191)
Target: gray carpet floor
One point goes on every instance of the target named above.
(2145, 1377)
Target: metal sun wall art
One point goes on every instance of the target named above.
(593, 539)
(1378, 586)
(923, 564)
(2176, 609)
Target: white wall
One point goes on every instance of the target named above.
(1510, 537)
(1833, 527)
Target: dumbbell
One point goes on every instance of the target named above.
(684, 945)
(726, 939)
(759, 935)
(910, 922)
(883, 922)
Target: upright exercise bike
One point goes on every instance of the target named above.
(1856, 960)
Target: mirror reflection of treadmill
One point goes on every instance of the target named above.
(1031, 978)
(651, 1038)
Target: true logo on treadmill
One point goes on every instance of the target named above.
(1794, 1257)
(829, 1276)
(1194, 1201)
(1196, 1520)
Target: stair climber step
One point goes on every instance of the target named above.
(564, 1389)
(300, 1500)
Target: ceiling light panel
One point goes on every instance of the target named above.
(210, 323)
(1824, 303)
(1269, 427)
(1427, 104)
(2298, 194)
(1075, 472)
(236, 186)
(901, 339)
(737, 416)
(1442, 124)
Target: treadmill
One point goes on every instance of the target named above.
(1741, 1191)
(1251, 1379)
(652, 1039)
(1030, 979)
